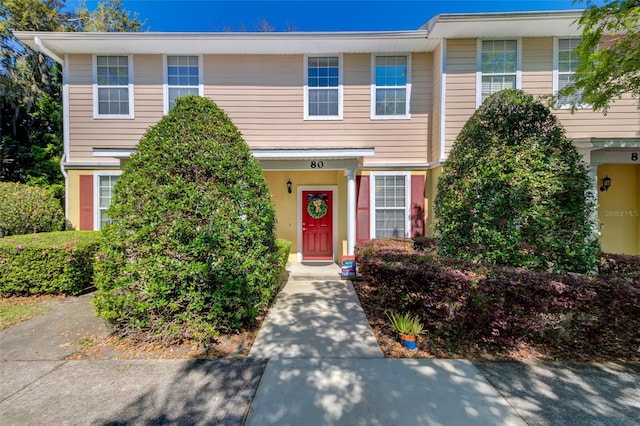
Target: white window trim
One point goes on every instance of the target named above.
(556, 73)
(372, 201)
(407, 87)
(96, 114)
(96, 196)
(306, 89)
(165, 80)
(479, 65)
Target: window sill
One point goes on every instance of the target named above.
(114, 117)
(323, 118)
(569, 107)
(391, 117)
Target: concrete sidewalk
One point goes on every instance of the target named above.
(117, 392)
(54, 335)
(38, 386)
(377, 391)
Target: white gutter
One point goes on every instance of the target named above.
(46, 51)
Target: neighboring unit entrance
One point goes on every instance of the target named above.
(317, 225)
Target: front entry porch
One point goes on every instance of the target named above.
(326, 177)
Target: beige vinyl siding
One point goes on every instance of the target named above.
(622, 120)
(537, 66)
(86, 132)
(434, 145)
(263, 95)
(461, 87)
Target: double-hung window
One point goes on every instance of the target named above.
(391, 86)
(565, 62)
(113, 87)
(498, 67)
(104, 184)
(390, 204)
(323, 88)
(182, 78)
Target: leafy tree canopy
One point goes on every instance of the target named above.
(609, 53)
(107, 16)
(30, 95)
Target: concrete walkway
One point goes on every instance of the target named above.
(316, 319)
(325, 367)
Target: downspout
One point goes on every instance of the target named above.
(65, 136)
(66, 191)
(46, 51)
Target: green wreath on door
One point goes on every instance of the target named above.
(317, 208)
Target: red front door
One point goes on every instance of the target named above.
(317, 225)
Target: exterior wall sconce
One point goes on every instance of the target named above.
(289, 186)
(606, 183)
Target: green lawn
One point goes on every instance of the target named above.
(17, 309)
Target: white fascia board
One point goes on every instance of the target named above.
(312, 153)
(59, 43)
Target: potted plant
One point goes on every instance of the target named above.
(408, 327)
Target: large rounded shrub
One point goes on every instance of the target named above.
(28, 209)
(515, 191)
(191, 250)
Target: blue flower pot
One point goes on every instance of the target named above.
(409, 342)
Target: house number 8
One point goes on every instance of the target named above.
(317, 164)
(634, 156)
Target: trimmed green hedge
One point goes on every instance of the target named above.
(515, 191)
(191, 251)
(48, 263)
(283, 248)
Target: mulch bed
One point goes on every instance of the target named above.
(431, 347)
(226, 346)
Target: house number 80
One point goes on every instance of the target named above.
(317, 164)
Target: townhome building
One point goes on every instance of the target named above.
(352, 129)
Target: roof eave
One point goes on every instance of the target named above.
(60, 43)
(504, 24)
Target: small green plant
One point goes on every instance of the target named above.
(406, 323)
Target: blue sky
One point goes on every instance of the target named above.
(313, 15)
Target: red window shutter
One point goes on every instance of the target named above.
(417, 206)
(86, 202)
(362, 208)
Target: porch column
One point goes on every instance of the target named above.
(595, 187)
(351, 211)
